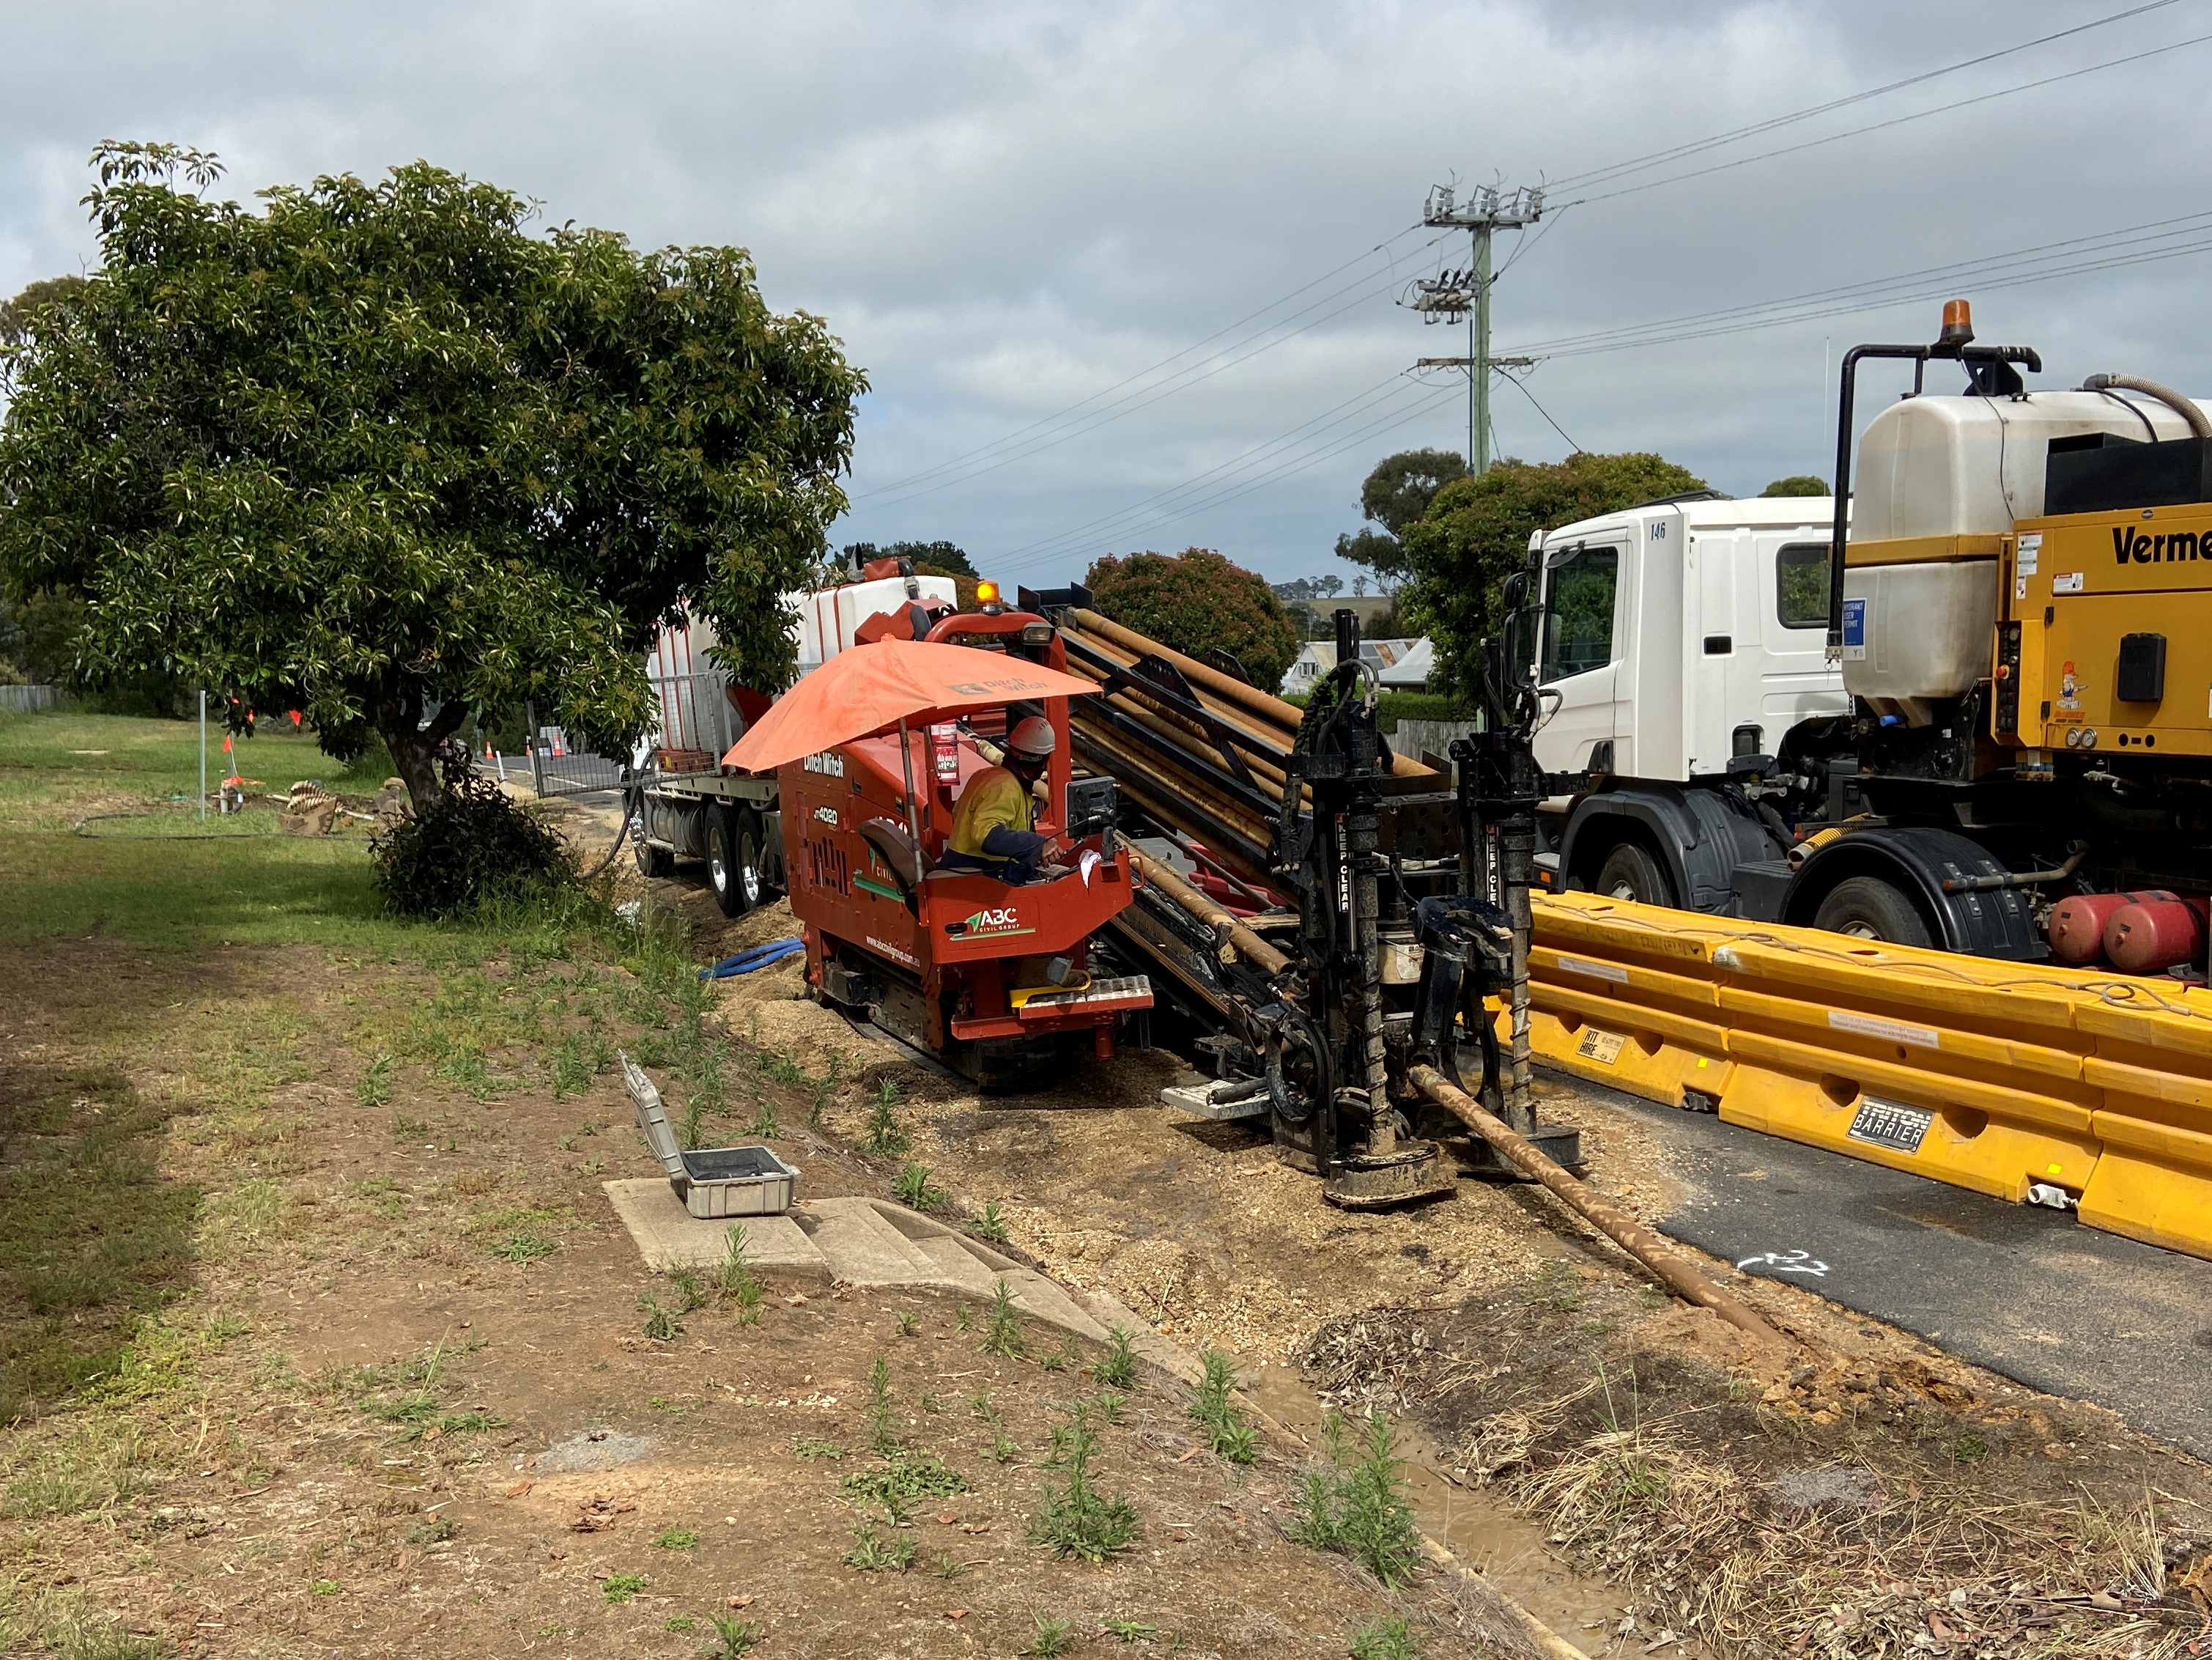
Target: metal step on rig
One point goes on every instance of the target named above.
(1335, 920)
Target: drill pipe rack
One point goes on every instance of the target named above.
(1397, 920)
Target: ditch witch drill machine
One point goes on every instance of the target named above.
(1354, 913)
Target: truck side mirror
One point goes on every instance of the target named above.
(1516, 590)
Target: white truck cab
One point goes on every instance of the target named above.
(1676, 641)
(1677, 635)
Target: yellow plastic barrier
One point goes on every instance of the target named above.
(1994, 1076)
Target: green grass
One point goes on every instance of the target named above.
(1076, 1519)
(1228, 1432)
(91, 1243)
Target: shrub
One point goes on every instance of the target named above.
(467, 847)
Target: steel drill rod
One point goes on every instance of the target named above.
(1273, 710)
(1249, 945)
(1624, 1229)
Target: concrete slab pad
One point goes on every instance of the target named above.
(861, 1247)
(669, 1237)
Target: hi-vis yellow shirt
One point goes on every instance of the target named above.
(993, 798)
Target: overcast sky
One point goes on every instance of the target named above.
(1005, 210)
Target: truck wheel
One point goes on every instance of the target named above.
(724, 864)
(651, 860)
(1631, 872)
(752, 863)
(1867, 907)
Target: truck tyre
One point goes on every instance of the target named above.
(1867, 907)
(724, 864)
(752, 859)
(1631, 872)
(651, 860)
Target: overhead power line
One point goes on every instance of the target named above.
(1078, 416)
(1595, 176)
(1894, 121)
(2130, 244)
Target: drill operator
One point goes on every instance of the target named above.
(992, 825)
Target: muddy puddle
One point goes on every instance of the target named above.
(1486, 1535)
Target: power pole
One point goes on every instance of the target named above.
(1466, 294)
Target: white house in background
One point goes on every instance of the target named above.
(1401, 665)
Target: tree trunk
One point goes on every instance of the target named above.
(415, 747)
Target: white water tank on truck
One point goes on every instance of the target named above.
(1938, 485)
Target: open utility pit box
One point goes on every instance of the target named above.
(712, 1181)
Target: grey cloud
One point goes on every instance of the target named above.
(1004, 209)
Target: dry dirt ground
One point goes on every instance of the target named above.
(321, 1337)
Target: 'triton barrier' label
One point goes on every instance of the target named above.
(1873, 1025)
(1590, 971)
(1890, 1124)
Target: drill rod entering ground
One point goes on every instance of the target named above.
(1624, 1229)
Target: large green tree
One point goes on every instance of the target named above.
(1394, 495)
(1476, 531)
(1197, 602)
(377, 453)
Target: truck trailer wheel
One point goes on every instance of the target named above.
(734, 860)
(1632, 872)
(1867, 907)
(651, 860)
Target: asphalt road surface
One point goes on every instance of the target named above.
(2027, 1293)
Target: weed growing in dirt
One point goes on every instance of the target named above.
(932, 1402)
(677, 1539)
(404, 1128)
(619, 1587)
(964, 1318)
(1129, 1631)
(872, 1555)
(1110, 1404)
(661, 1324)
(523, 1245)
(1384, 1639)
(813, 1446)
(950, 1567)
(884, 1136)
(912, 1189)
(764, 1122)
(1357, 1506)
(738, 1282)
(1002, 1332)
(320, 1588)
(990, 1227)
(1118, 1370)
(907, 1325)
(690, 1293)
(1076, 1520)
(883, 1438)
(824, 1087)
(731, 1639)
(1966, 1447)
(1004, 1449)
(695, 1129)
(374, 1089)
(980, 1405)
(1052, 1638)
(434, 1530)
(1228, 1432)
(902, 1483)
(680, 1623)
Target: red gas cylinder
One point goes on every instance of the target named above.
(2077, 930)
(2155, 932)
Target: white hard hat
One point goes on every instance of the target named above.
(1032, 737)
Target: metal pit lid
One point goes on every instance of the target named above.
(652, 1118)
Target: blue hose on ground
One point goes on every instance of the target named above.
(755, 956)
